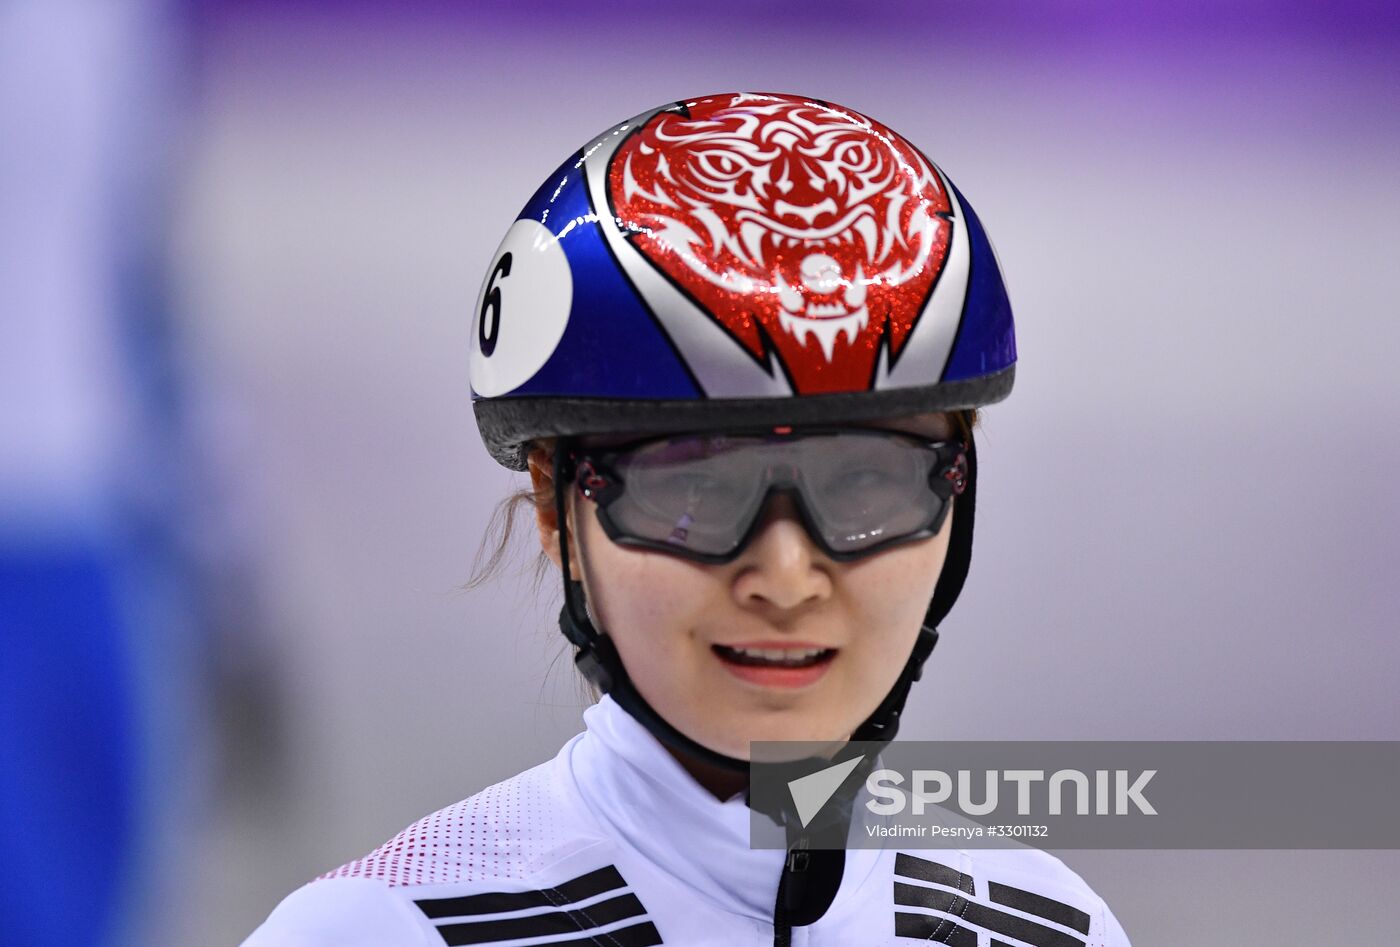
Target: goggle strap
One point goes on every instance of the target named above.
(573, 620)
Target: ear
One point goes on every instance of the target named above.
(541, 463)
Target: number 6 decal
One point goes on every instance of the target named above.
(532, 269)
(487, 331)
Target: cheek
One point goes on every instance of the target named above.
(624, 590)
(889, 594)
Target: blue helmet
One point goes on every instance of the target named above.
(737, 259)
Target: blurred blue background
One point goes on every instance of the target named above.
(240, 486)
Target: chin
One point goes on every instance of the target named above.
(778, 731)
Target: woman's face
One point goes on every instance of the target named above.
(675, 622)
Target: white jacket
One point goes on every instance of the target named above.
(612, 843)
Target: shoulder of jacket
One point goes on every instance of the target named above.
(509, 830)
(342, 912)
(517, 835)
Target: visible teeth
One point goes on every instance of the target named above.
(777, 655)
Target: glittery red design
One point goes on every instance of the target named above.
(807, 223)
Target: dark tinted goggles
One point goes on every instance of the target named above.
(857, 490)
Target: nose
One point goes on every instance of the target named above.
(781, 568)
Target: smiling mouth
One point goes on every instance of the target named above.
(775, 657)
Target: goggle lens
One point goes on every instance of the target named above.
(701, 496)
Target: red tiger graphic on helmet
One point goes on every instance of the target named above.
(813, 225)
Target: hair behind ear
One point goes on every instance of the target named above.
(502, 527)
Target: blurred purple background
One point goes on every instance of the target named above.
(1188, 525)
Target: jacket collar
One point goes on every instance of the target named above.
(639, 791)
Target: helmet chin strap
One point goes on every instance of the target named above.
(600, 663)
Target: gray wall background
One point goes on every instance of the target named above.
(1188, 520)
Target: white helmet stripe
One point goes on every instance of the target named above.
(930, 344)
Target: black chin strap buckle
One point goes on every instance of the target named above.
(923, 647)
(596, 658)
(883, 724)
(591, 668)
